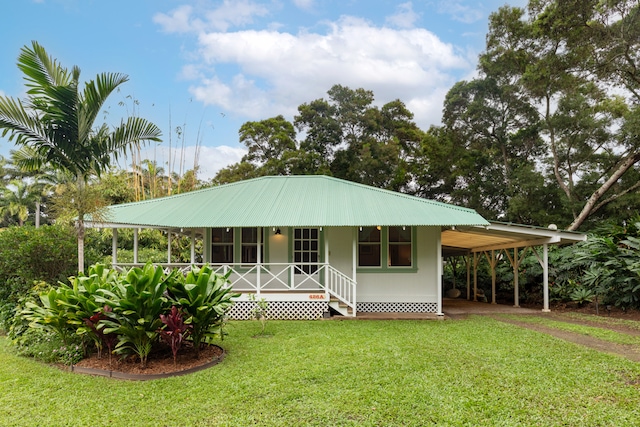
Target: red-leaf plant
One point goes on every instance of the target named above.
(174, 331)
(108, 340)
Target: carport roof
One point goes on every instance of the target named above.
(502, 235)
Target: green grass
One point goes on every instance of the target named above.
(592, 331)
(474, 372)
(632, 324)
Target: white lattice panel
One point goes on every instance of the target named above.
(397, 307)
(281, 310)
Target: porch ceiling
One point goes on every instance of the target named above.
(497, 235)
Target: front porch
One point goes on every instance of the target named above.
(294, 291)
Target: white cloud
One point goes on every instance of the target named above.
(405, 17)
(274, 72)
(460, 12)
(185, 19)
(304, 4)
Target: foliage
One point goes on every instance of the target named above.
(606, 265)
(259, 311)
(137, 301)
(47, 347)
(345, 136)
(127, 312)
(205, 298)
(29, 255)
(56, 126)
(582, 296)
(174, 330)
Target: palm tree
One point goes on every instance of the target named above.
(57, 122)
(17, 200)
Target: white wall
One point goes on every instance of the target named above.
(418, 286)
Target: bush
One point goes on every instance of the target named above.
(29, 255)
(128, 308)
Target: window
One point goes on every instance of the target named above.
(369, 239)
(305, 250)
(222, 245)
(400, 253)
(250, 245)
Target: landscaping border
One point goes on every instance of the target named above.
(144, 377)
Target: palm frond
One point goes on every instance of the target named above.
(40, 69)
(135, 129)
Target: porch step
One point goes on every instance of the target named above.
(341, 307)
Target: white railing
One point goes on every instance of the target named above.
(284, 277)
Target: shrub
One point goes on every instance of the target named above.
(137, 301)
(29, 255)
(133, 308)
(203, 297)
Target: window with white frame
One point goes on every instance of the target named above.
(400, 252)
(222, 245)
(369, 246)
(305, 250)
(249, 245)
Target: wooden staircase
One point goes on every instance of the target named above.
(340, 307)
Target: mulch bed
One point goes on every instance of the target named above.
(159, 365)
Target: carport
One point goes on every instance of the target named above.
(504, 239)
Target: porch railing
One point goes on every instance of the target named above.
(284, 277)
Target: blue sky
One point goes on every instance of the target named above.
(209, 66)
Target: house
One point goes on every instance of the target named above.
(308, 243)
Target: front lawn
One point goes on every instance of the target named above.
(475, 372)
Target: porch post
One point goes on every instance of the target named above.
(135, 245)
(326, 261)
(168, 246)
(439, 272)
(545, 277)
(193, 246)
(516, 278)
(354, 254)
(467, 259)
(114, 247)
(259, 260)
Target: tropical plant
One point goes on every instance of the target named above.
(174, 331)
(53, 315)
(259, 311)
(137, 300)
(582, 296)
(56, 125)
(205, 298)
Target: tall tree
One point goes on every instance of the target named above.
(58, 122)
(577, 63)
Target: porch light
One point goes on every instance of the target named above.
(378, 228)
(278, 231)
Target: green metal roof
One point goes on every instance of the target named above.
(283, 201)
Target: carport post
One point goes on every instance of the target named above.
(545, 277)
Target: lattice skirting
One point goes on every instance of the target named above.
(282, 310)
(397, 307)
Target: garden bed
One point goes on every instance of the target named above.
(160, 364)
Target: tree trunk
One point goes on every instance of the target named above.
(80, 223)
(589, 207)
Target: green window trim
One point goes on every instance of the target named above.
(384, 255)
